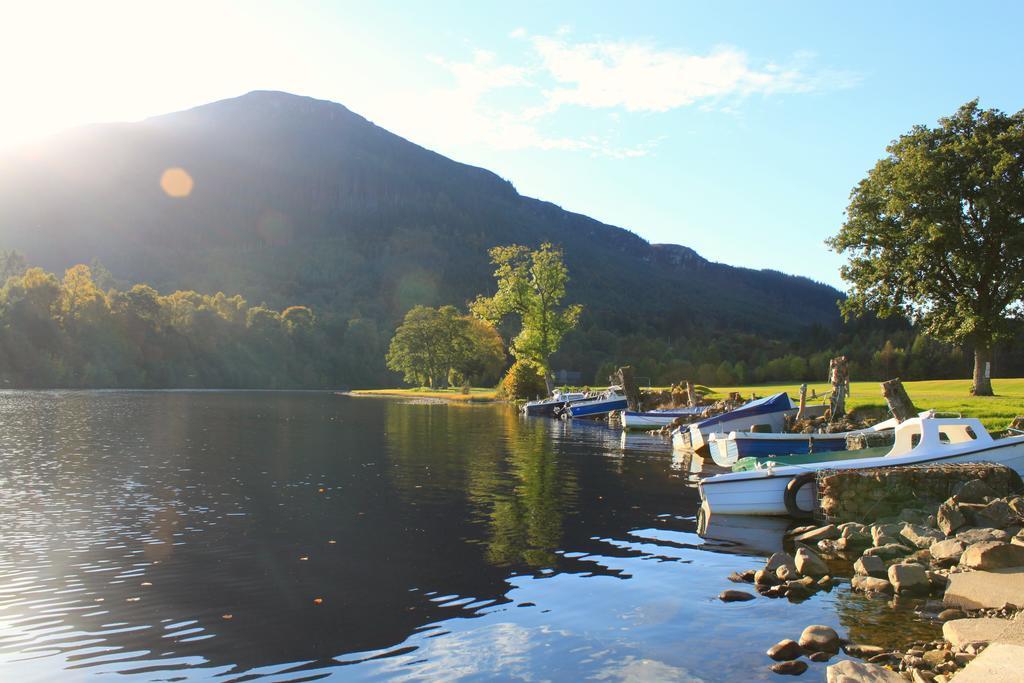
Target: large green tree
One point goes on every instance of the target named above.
(531, 285)
(936, 231)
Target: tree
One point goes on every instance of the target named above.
(936, 232)
(531, 285)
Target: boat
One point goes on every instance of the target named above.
(727, 449)
(772, 488)
(768, 414)
(552, 405)
(655, 419)
(608, 401)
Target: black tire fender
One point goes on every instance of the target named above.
(792, 489)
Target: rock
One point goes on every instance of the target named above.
(763, 578)
(951, 613)
(869, 584)
(913, 516)
(832, 547)
(985, 590)
(819, 638)
(735, 596)
(934, 658)
(742, 577)
(990, 555)
(948, 552)
(829, 532)
(888, 551)
(819, 656)
(883, 534)
(973, 491)
(962, 632)
(857, 539)
(869, 565)
(794, 668)
(949, 518)
(809, 564)
(969, 536)
(863, 651)
(825, 582)
(909, 578)
(963, 658)
(1018, 539)
(847, 528)
(785, 573)
(996, 514)
(919, 536)
(796, 531)
(785, 650)
(938, 581)
(849, 671)
(779, 560)
(919, 676)
(797, 591)
(1016, 504)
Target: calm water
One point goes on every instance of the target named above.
(235, 536)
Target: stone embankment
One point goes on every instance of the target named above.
(962, 559)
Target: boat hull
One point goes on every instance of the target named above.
(651, 420)
(726, 450)
(762, 492)
(596, 408)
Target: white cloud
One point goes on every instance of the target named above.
(515, 105)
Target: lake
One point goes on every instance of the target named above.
(301, 536)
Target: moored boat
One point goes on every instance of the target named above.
(552, 405)
(610, 400)
(727, 449)
(777, 489)
(767, 413)
(655, 419)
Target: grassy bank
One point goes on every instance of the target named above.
(952, 396)
(475, 395)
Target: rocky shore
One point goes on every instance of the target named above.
(962, 561)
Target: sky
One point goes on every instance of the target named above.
(735, 128)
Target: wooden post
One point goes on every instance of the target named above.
(628, 384)
(691, 394)
(839, 377)
(899, 403)
(803, 402)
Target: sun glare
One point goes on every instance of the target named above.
(176, 182)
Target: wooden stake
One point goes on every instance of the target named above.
(899, 402)
(628, 384)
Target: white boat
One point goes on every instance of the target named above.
(726, 449)
(772, 489)
(655, 419)
(769, 413)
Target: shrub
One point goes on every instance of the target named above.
(524, 380)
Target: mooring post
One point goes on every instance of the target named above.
(899, 402)
(691, 394)
(628, 384)
(803, 402)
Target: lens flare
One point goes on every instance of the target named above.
(176, 182)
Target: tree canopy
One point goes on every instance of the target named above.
(441, 345)
(531, 285)
(936, 231)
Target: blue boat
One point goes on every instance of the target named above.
(769, 412)
(609, 401)
(655, 419)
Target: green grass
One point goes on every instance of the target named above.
(475, 395)
(946, 395)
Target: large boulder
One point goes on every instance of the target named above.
(962, 632)
(949, 518)
(785, 650)
(883, 534)
(809, 564)
(948, 552)
(889, 551)
(909, 578)
(820, 638)
(969, 536)
(920, 536)
(779, 560)
(989, 555)
(869, 584)
(824, 533)
(974, 491)
(996, 514)
(870, 565)
(849, 671)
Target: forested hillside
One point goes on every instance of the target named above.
(289, 200)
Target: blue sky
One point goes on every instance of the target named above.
(737, 129)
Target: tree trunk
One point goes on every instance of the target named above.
(982, 376)
(900, 405)
(629, 387)
(549, 382)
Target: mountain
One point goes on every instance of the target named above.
(298, 200)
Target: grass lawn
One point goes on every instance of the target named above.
(946, 395)
(475, 395)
